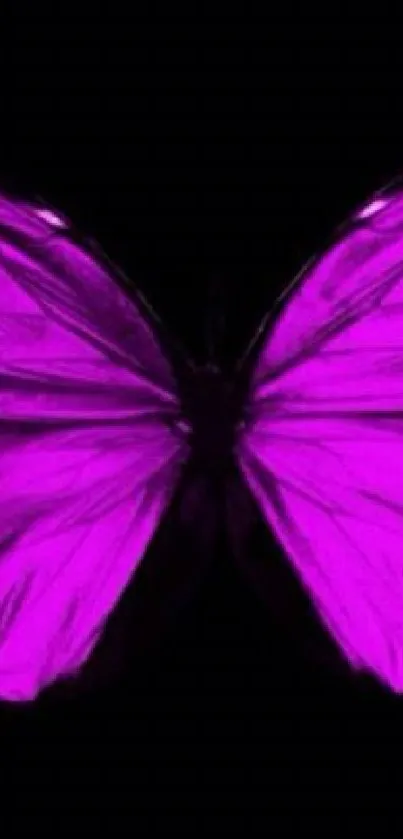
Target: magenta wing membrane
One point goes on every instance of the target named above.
(91, 445)
(322, 451)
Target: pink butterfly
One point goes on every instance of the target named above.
(96, 430)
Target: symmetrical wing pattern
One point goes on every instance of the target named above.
(92, 440)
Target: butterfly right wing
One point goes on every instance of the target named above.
(322, 450)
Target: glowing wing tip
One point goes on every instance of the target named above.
(51, 218)
(372, 208)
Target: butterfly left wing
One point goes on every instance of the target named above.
(91, 445)
(322, 450)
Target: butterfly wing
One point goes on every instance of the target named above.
(322, 449)
(91, 444)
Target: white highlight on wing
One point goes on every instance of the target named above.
(372, 208)
(51, 218)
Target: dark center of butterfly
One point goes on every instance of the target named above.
(212, 412)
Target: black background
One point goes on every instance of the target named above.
(199, 148)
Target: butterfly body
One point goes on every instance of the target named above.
(210, 402)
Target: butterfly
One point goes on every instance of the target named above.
(100, 419)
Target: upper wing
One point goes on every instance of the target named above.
(322, 450)
(90, 446)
